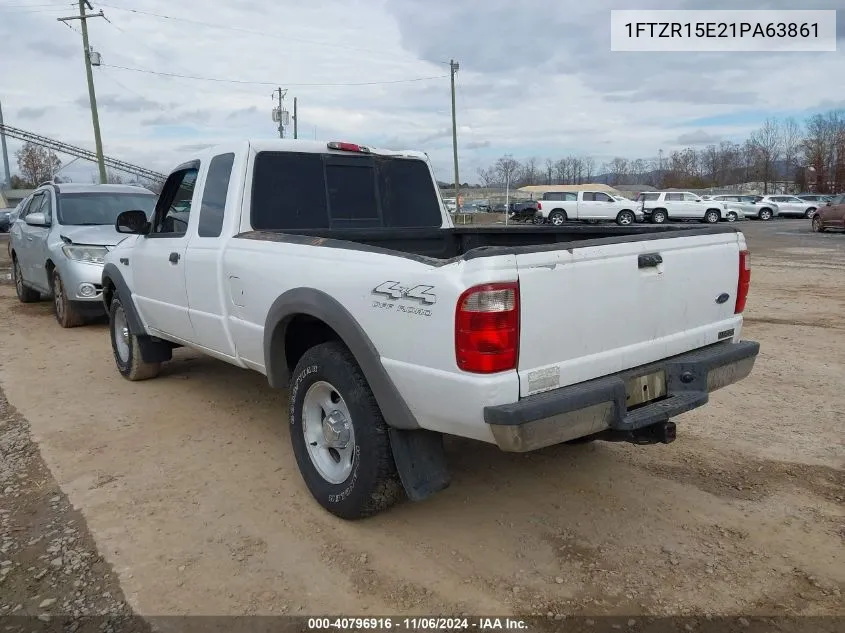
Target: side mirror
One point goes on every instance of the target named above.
(829, 204)
(133, 222)
(36, 219)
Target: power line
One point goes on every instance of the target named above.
(275, 83)
(264, 33)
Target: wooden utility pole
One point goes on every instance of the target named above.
(295, 130)
(453, 67)
(95, 119)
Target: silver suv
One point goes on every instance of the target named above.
(750, 206)
(59, 240)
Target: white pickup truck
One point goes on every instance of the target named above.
(662, 206)
(557, 207)
(335, 270)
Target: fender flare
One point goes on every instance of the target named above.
(133, 319)
(318, 304)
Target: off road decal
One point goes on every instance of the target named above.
(395, 290)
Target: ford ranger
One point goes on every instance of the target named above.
(335, 270)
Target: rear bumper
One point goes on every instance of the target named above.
(598, 405)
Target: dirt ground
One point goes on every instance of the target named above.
(188, 486)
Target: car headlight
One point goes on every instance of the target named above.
(91, 254)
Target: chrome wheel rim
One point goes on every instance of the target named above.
(625, 218)
(659, 218)
(731, 217)
(57, 297)
(329, 434)
(18, 279)
(712, 217)
(765, 215)
(557, 220)
(120, 333)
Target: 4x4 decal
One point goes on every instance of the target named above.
(396, 290)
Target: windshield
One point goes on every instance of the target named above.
(81, 209)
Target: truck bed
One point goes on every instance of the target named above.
(444, 245)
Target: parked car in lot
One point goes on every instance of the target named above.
(661, 206)
(557, 207)
(522, 210)
(5, 220)
(830, 216)
(791, 205)
(451, 204)
(60, 238)
(749, 206)
(390, 327)
(816, 198)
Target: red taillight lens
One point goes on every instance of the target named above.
(744, 281)
(348, 147)
(539, 206)
(487, 328)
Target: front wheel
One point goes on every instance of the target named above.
(625, 218)
(818, 225)
(339, 436)
(126, 347)
(712, 217)
(67, 314)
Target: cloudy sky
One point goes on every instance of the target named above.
(537, 78)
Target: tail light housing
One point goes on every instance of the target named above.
(539, 206)
(744, 281)
(487, 328)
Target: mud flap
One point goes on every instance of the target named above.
(420, 462)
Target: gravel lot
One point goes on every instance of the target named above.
(180, 495)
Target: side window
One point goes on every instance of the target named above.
(214, 195)
(37, 203)
(674, 197)
(174, 205)
(47, 207)
(690, 197)
(25, 205)
(570, 196)
(589, 196)
(602, 197)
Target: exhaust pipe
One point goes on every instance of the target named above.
(659, 433)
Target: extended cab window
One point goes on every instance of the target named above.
(602, 197)
(174, 205)
(292, 191)
(214, 195)
(674, 197)
(690, 197)
(645, 197)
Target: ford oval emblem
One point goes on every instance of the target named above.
(722, 298)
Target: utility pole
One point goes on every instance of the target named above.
(453, 67)
(6, 172)
(279, 114)
(295, 131)
(83, 18)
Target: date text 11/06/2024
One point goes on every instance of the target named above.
(418, 624)
(722, 29)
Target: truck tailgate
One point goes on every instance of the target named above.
(597, 309)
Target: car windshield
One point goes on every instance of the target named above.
(88, 209)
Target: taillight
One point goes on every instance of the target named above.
(744, 281)
(487, 328)
(539, 206)
(348, 147)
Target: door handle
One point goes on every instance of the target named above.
(649, 260)
(174, 258)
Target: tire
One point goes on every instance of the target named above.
(557, 217)
(712, 216)
(358, 479)
(67, 314)
(658, 216)
(765, 215)
(125, 346)
(731, 216)
(538, 219)
(625, 218)
(817, 225)
(25, 294)
(809, 213)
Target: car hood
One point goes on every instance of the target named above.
(104, 235)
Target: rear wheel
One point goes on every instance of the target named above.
(658, 216)
(539, 219)
(809, 213)
(765, 214)
(557, 218)
(625, 218)
(25, 294)
(712, 216)
(126, 348)
(67, 314)
(818, 225)
(339, 436)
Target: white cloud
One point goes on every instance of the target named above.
(536, 79)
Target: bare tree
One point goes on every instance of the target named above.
(550, 167)
(767, 149)
(587, 168)
(618, 170)
(506, 169)
(487, 176)
(791, 139)
(529, 171)
(37, 164)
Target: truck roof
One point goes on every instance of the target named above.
(71, 187)
(308, 146)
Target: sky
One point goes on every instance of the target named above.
(537, 78)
